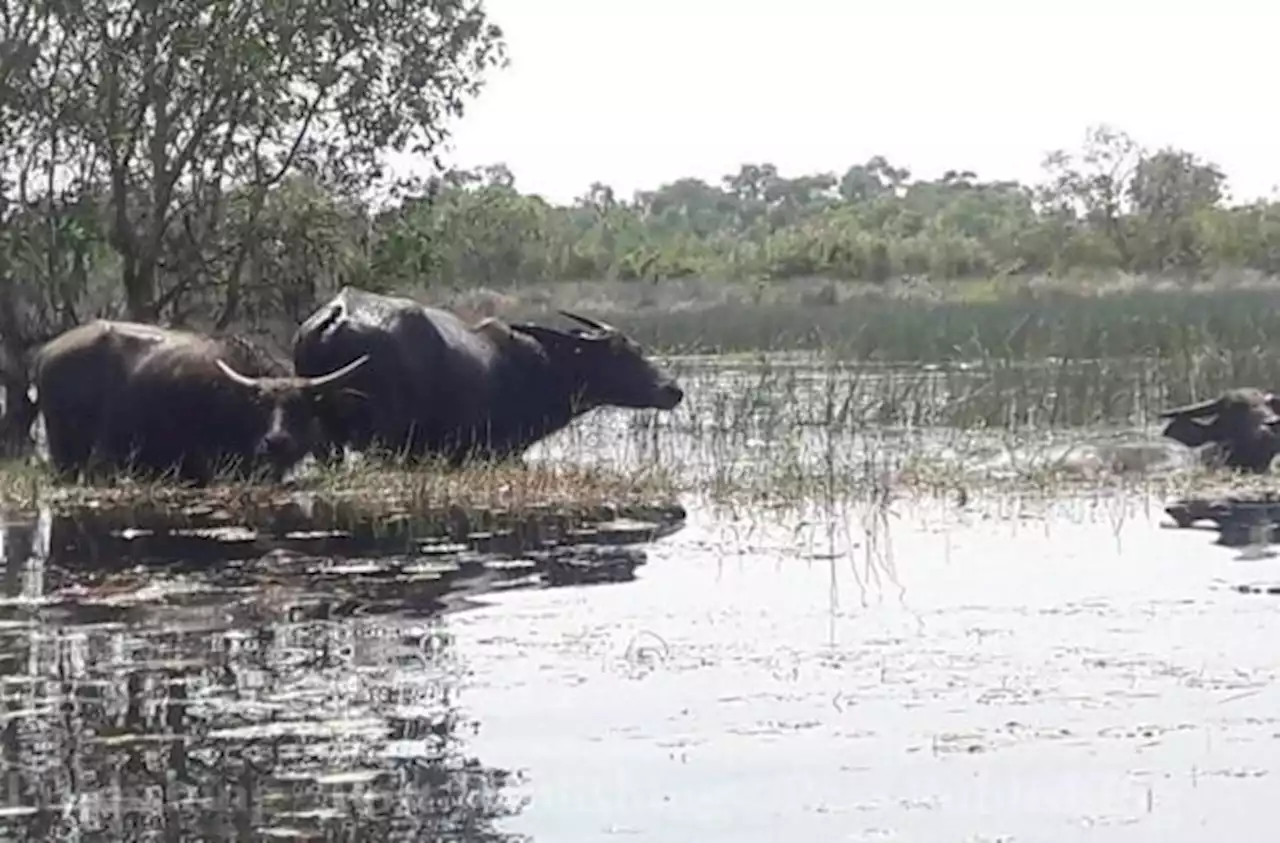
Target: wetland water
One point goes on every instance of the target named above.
(857, 665)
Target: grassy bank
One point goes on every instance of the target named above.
(1014, 318)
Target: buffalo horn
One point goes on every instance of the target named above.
(1194, 411)
(336, 374)
(602, 327)
(1267, 412)
(243, 380)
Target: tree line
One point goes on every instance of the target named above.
(269, 251)
(1111, 205)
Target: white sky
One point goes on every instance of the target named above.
(639, 92)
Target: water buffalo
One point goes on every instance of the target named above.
(75, 375)
(437, 386)
(120, 395)
(1241, 422)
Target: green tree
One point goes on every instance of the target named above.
(1168, 191)
(183, 101)
(1095, 184)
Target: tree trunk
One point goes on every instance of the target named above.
(19, 415)
(139, 290)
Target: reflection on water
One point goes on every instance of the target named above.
(188, 678)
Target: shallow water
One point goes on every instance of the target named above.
(1002, 680)
(1007, 669)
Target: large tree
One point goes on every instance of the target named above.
(183, 100)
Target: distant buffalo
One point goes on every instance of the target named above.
(125, 395)
(1241, 423)
(437, 386)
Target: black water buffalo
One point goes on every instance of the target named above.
(1241, 423)
(437, 386)
(117, 395)
(76, 374)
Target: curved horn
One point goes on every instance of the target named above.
(602, 327)
(1194, 411)
(243, 380)
(337, 374)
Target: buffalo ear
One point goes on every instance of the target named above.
(321, 398)
(350, 394)
(1199, 410)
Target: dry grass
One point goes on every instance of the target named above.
(365, 487)
(507, 486)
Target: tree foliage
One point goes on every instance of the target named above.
(1109, 206)
(170, 113)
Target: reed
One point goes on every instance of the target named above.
(1019, 325)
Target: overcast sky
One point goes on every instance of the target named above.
(638, 92)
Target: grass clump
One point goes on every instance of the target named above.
(371, 487)
(504, 485)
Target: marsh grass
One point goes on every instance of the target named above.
(372, 488)
(1026, 390)
(1014, 319)
(776, 431)
(777, 440)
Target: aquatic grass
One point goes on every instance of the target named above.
(922, 322)
(507, 485)
(373, 486)
(765, 456)
(776, 432)
(770, 394)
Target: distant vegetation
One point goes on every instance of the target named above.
(1110, 206)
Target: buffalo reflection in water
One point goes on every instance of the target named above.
(279, 692)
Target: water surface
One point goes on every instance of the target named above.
(1002, 680)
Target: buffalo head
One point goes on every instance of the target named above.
(608, 367)
(1242, 422)
(288, 408)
